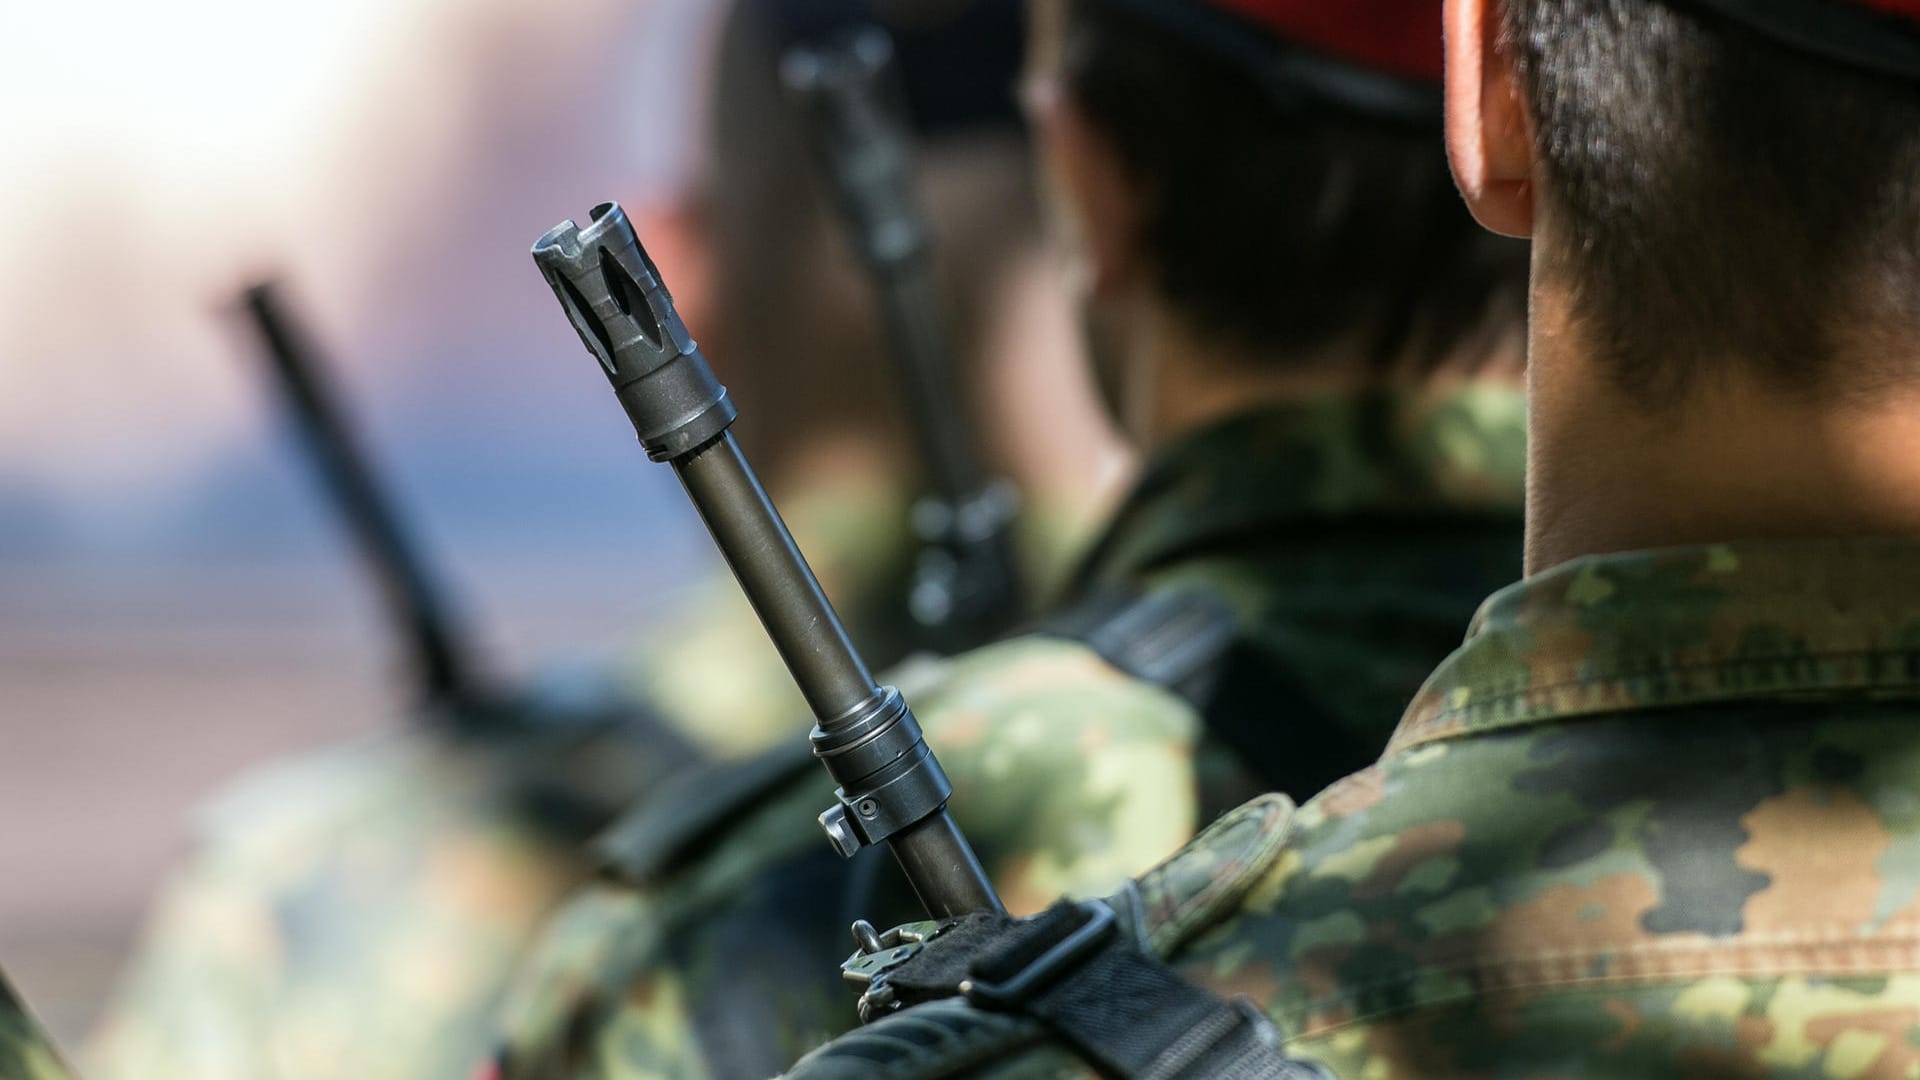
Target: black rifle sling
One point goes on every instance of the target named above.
(669, 825)
(1189, 640)
(1174, 639)
(1075, 970)
(952, 997)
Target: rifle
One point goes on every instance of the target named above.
(966, 586)
(442, 659)
(890, 787)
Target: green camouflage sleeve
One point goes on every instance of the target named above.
(25, 1051)
(634, 983)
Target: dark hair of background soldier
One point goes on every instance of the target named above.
(1285, 230)
(1725, 199)
(798, 339)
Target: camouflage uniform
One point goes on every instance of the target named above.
(356, 913)
(1350, 531)
(25, 1051)
(1657, 818)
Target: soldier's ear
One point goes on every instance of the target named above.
(1489, 130)
(1099, 201)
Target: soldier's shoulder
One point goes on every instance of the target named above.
(1062, 765)
(1039, 686)
(1014, 724)
(1583, 862)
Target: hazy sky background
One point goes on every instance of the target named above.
(176, 603)
(391, 160)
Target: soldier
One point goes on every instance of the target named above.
(1295, 308)
(25, 1051)
(355, 913)
(1656, 818)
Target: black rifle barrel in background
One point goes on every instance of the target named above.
(890, 786)
(441, 659)
(967, 585)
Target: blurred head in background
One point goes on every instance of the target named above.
(1232, 235)
(794, 327)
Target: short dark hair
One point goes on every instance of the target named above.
(1286, 227)
(1725, 198)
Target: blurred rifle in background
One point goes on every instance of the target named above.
(966, 587)
(567, 703)
(442, 658)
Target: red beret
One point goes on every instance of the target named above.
(1395, 37)
(1904, 9)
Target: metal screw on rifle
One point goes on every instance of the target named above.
(868, 808)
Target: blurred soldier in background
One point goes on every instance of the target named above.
(796, 324)
(1319, 353)
(1657, 817)
(25, 1051)
(355, 913)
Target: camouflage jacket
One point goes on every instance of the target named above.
(1658, 818)
(25, 1051)
(1351, 533)
(355, 913)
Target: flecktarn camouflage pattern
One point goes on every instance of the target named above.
(25, 1051)
(1658, 818)
(356, 913)
(1068, 775)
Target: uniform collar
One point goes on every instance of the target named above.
(1759, 620)
(1387, 453)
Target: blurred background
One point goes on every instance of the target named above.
(177, 601)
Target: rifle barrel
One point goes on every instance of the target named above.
(890, 786)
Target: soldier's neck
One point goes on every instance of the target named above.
(835, 460)
(1737, 460)
(1186, 381)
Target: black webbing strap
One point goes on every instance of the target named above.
(1189, 640)
(1076, 971)
(1173, 638)
(683, 814)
